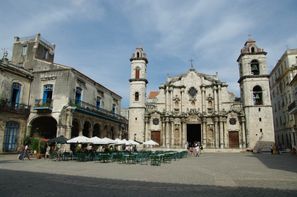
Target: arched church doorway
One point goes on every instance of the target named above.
(193, 134)
(45, 127)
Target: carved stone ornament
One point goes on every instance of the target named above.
(192, 92)
(232, 121)
(155, 121)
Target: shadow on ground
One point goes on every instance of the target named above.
(18, 183)
(285, 161)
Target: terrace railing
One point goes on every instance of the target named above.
(18, 108)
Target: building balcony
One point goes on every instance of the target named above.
(292, 108)
(43, 105)
(17, 108)
(92, 110)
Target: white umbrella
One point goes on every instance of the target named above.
(119, 141)
(107, 140)
(79, 140)
(151, 142)
(132, 142)
(97, 140)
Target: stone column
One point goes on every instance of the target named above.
(204, 124)
(146, 130)
(163, 132)
(219, 98)
(216, 130)
(181, 100)
(167, 130)
(221, 133)
(172, 133)
(170, 99)
(215, 98)
(184, 128)
(203, 99)
(28, 130)
(243, 142)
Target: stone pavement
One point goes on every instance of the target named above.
(210, 169)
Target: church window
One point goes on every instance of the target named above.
(137, 54)
(137, 73)
(192, 92)
(252, 50)
(257, 95)
(255, 67)
(136, 96)
(260, 119)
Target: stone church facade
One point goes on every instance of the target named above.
(198, 108)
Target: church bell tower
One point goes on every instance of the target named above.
(138, 84)
(255, 95)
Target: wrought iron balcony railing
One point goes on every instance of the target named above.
(18, 108)
(43, 104)
(97, 111)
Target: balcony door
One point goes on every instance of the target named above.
(15, 97)
(47, 93)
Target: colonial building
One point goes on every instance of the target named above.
(63, 100)
(292, 108)
(282, 98)
(196, 107)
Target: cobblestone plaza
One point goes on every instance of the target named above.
(233, 170)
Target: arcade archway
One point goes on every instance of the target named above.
(45, 127)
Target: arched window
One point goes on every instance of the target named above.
(255, 67)
(137, 73)
(137, 54)
(252, 50)
(136, 96)
(257, 95)
(15, 97)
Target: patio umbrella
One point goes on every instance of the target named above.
(95, 140)
(132, 142)
(79, 140)
(107, 140)
(59, 140)
(119, 141)
(151, 143)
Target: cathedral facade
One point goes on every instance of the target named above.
(194, 107)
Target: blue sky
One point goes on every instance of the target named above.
(98, 37)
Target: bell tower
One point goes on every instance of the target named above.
(255, 95)
(138, 84)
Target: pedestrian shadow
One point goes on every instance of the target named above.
(285, 161)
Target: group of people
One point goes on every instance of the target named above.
(194, 148)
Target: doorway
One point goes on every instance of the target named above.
(233, 139)
(193, 134)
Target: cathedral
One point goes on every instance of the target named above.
(194, 107)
